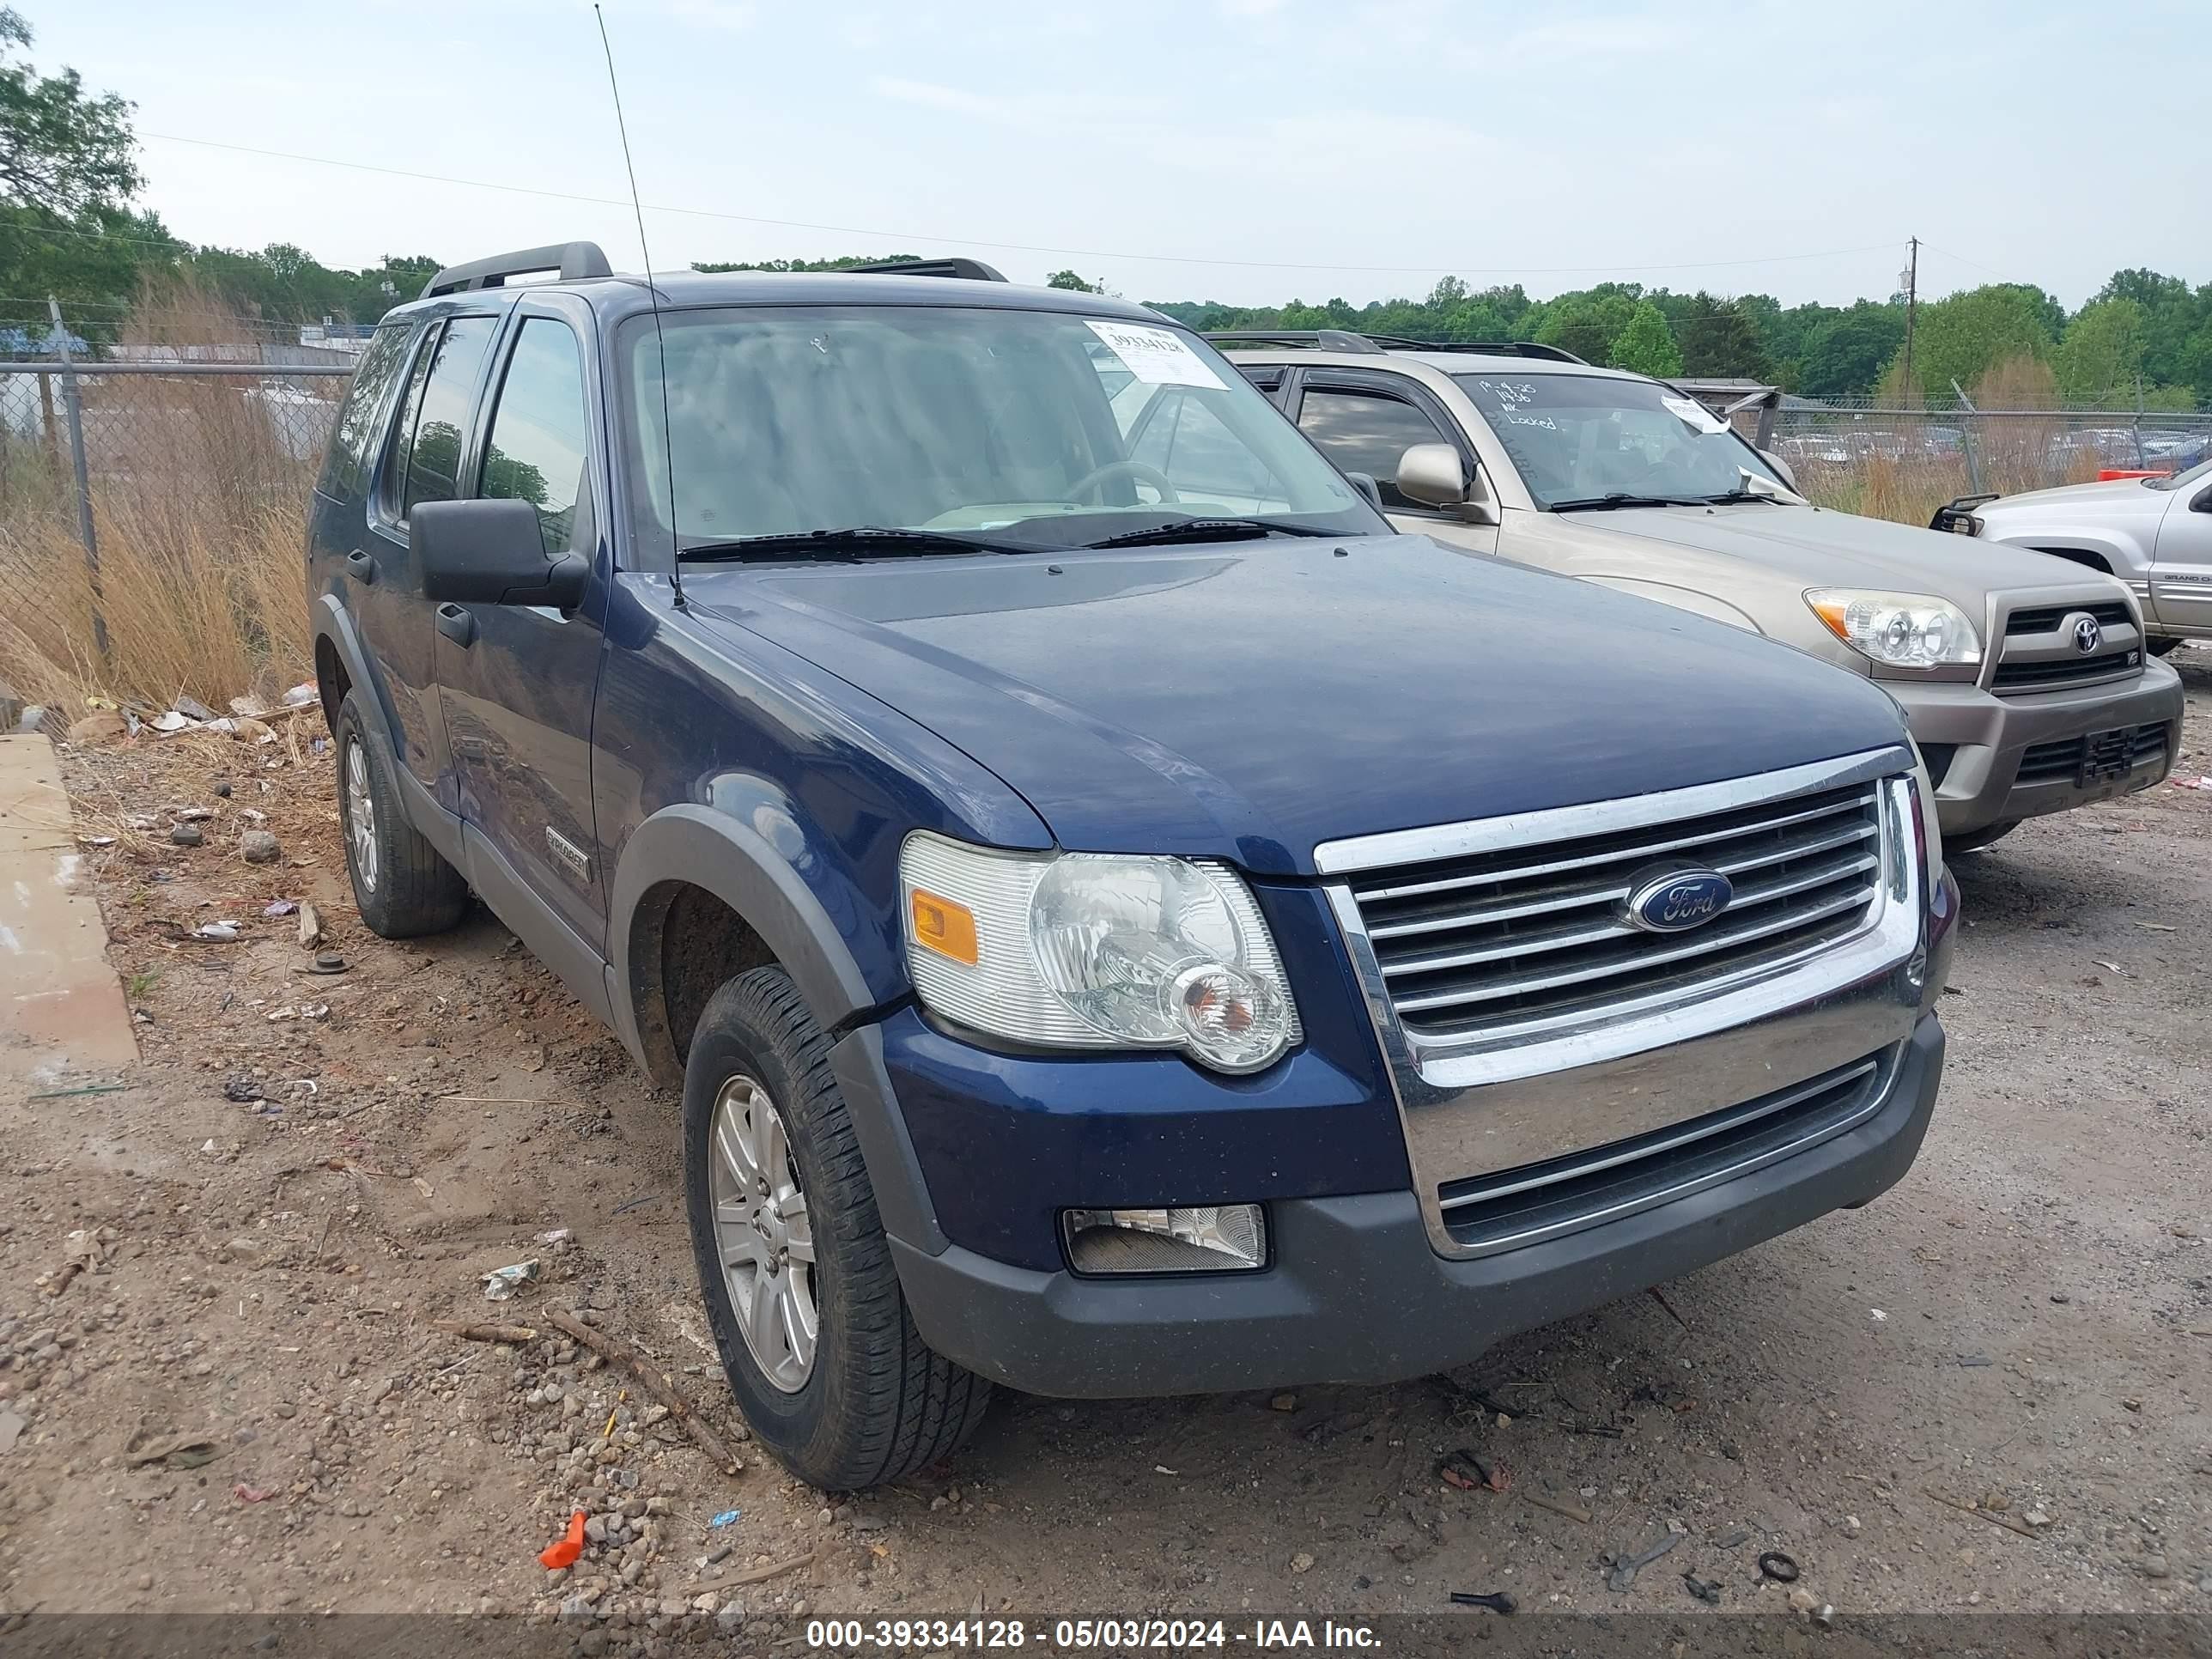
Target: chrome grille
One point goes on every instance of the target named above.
(1532, 936)
(1503, 1211)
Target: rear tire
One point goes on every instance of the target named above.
(773, 1170)
(1973, 841)
(402, 885)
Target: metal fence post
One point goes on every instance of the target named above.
(73, 412)
(1967, 440)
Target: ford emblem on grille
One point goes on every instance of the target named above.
(1673, 901)
(2087, 636)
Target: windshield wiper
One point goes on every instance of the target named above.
(855, 542)
(1211, 529)
(1604, 503)
(1731, 496)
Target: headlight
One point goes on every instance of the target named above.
(1899, 630)
(1094, 950)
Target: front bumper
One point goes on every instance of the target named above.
(1356, 1292)
(1986, 737)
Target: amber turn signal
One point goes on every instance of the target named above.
(943, 926)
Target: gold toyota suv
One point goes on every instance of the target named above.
(2024, 678)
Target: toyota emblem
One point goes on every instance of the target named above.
(2087, 636)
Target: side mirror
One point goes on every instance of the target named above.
(1434, 475)
(490, 552)
(1782, 469)
(1366, 484)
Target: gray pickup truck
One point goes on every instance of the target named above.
(2025, 680)
(2153, 534)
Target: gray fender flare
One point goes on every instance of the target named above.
(730, 857)
(332, 622)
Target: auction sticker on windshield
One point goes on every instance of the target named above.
(1693, 414)
(1156, 356)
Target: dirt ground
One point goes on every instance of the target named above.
(1990, 1389)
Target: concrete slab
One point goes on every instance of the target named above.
(62, 1013)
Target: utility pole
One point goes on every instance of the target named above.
(1911, 274)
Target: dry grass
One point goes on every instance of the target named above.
(2013, 451)
(1910, 490)
(192, 604)
(199, 494)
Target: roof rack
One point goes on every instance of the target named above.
(575, 261)
(1320, 339)
(973, 270)
(1337, 340)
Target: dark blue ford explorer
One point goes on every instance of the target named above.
(1121, 920)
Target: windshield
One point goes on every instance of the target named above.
(2195, 475)
(1578, 437)
(1040, 428)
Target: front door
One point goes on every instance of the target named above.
(518, 680)
(2181, 574)
(1363, 421)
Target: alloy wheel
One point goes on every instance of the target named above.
(361, 817)
(763, 1235)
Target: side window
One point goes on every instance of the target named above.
(393, 489)
(538, 451)
(1367, 432)
(346, 468)
(446, 380)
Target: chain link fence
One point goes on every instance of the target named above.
(1891, 462)
(151, 521)
(78, 440)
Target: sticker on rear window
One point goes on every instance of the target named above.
(1156, 356)
(1693, 414)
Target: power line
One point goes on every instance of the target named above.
(175, 245)
(1015, 247)
(1987, 271)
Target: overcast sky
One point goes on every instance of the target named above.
(1249, 150)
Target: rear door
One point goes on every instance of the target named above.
(1365, 420)
(518, 680)
(338, 542)
(421, 463)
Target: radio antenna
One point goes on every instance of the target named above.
(652, 298)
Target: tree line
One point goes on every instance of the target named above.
(2142, 334)
(69, 226)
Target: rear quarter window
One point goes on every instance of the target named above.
(361, 422)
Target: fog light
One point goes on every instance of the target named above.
(1206, 1239)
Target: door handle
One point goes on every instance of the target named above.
(458, 624)
(360, 566)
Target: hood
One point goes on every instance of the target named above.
(2098, 503)
(1818, 547)
(1251, 700)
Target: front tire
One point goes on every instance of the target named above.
(402, 884)
(800, 1290)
